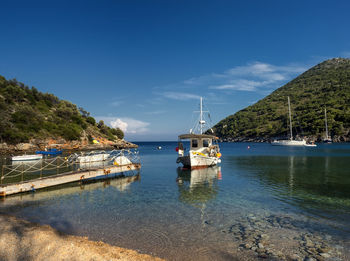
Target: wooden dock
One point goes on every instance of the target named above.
(64, 178)
(118, 183)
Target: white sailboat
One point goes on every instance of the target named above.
(204, 150)
(327, 138)
(289, 142)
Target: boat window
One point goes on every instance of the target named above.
(194, 143)
(205, 143)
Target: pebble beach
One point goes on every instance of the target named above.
(23, 240)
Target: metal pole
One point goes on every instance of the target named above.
(201, 116)
(41, 169)
(2, 173)
(22, 170)
(325, 119)
(290, 120)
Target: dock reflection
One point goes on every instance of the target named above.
(120, 183)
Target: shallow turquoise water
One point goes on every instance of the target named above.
(183, 215)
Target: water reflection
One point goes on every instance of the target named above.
(120, 183)
(198, 186)
(291, 172)
(319, 185)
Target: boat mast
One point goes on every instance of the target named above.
(290, 120)
(201, 119)
(325, 120)
(201, 116)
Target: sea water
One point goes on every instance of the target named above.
(189, 215)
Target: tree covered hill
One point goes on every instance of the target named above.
(326, 85)
(26, 113)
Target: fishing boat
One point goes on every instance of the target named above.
(327, 138)
(204, 150)
(49, 152)
(291, 141)
(27, 157)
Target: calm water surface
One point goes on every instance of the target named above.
(184, 215)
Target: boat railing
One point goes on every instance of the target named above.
(20, 171)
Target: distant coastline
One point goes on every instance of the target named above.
(35, 145)
(336, 139)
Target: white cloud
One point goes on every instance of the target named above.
(116, 103)
(118, 123)
(155, 112)
(180, 96)
(345, 54)
(264, 70)
(256, 77)
(252, 77)
(126, 124)
(239, 85)
(130, 125)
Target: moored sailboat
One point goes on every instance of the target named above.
(291, 141)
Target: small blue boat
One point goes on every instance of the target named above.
(49, 152)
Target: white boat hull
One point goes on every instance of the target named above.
(27, 157)
(288, 143)
(198, 161)
(310, 145)
(93, 158)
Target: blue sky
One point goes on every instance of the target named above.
(142, 65)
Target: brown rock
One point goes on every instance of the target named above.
(25, 146)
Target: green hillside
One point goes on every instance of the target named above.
(324, 85)
(26, 113)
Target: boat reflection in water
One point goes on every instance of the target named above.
(198, 186)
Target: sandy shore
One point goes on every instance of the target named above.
(23, 240)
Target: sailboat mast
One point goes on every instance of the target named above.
(290, 120)
(325, 120)
(201, 116)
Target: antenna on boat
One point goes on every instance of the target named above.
(201, 121)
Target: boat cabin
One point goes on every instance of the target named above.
(198, 142)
